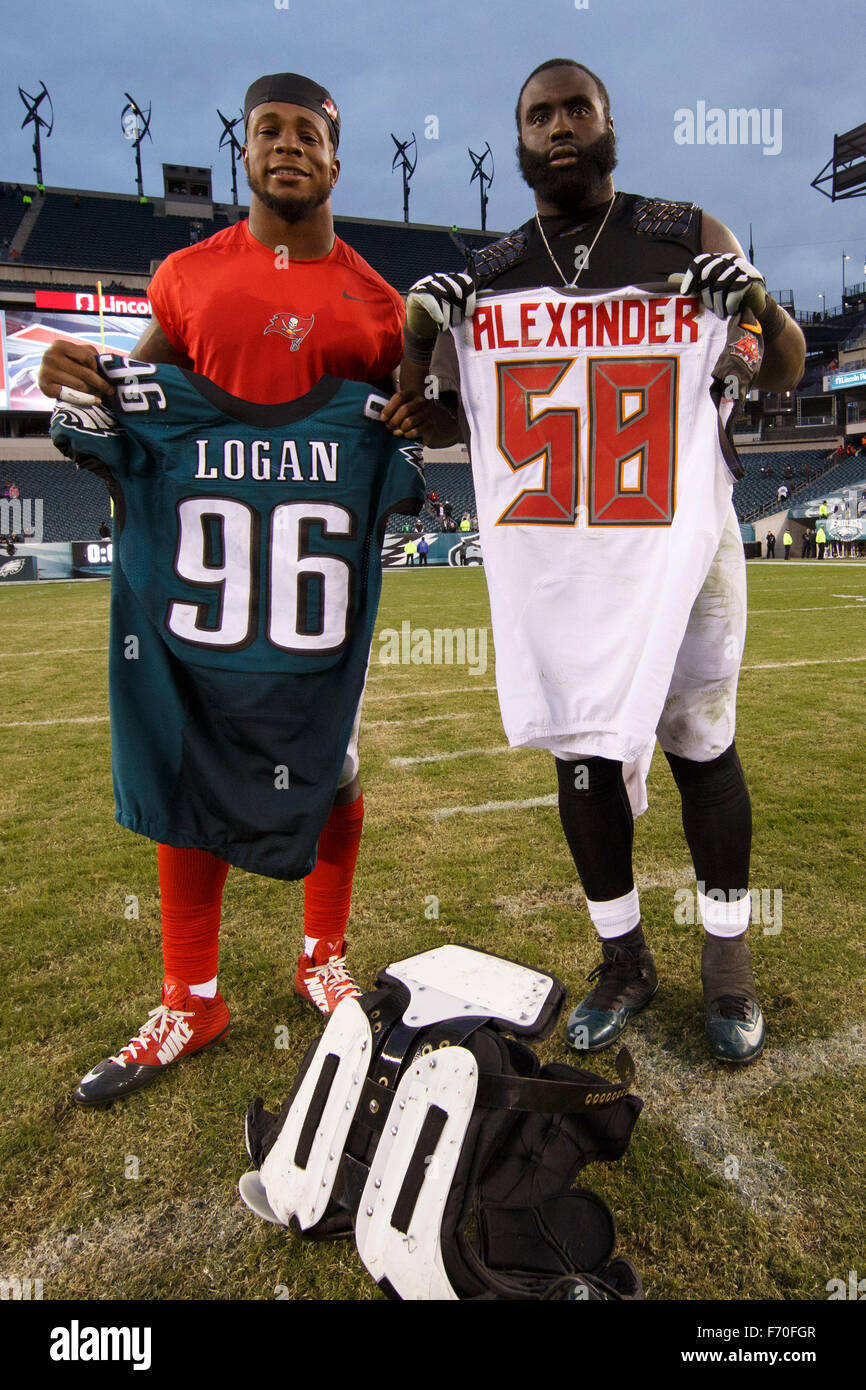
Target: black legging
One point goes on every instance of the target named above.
(597, 820)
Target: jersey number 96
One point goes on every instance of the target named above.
(308, 596)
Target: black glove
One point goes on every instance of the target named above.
(723, 281)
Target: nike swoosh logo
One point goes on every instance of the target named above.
(752, 327)
(357, 298)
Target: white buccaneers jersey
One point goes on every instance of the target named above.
(602, 495)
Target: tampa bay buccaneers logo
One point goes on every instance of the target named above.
(747, 348)
(291, 326)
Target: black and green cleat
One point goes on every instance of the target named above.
(735, 1023)
(627, 982)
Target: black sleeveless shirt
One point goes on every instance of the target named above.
(643, 242)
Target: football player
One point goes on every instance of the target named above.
(586, 237)
(264, 308)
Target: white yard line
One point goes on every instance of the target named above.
(449, 757)
(819, 608)
(695, 1101)
(404, 723)
(494, 806)
(807, 661)
(58, 651)
(44, 723)
(430, 690)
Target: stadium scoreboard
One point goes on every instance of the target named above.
(92, 559)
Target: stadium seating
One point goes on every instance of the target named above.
(754, 494)
(453, 482)
(74, 503)
(843, 474)
(107, 234)
(12, 210)
(112, 234)
(403, 254)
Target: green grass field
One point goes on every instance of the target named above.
(737, 1184)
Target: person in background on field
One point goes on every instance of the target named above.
(787, 541)
(410, 550)
(771, 545)
(423, 548)
(820, 541)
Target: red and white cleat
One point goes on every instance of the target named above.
(323, 979)
(183, 1024)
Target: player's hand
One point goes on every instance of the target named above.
(724, 282)
(71, 367)
(414, 417)
(438, 302)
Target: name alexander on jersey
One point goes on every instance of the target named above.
(519, 320)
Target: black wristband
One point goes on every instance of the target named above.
(772, 320)
(418, 351)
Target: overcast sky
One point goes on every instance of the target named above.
(391, 65)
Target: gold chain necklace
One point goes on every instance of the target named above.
(570, 284)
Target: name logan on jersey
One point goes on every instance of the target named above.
(609, 322)
(253, 459)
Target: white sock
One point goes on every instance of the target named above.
(206, 991)
(616, 917)
(724, 918)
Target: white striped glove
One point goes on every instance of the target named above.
(723, 281)
(443, 300)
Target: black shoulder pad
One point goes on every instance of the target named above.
(499, 256)
(656, 217)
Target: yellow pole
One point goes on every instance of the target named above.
(99, 300)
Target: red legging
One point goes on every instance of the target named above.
(191, 885)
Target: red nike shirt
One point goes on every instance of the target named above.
(267, 331)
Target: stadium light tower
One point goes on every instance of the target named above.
(135, 124)
(483, 178)
(229, 138)
(39, 121)
(844, 259)
(407, 163)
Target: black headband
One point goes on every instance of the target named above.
(296, 90)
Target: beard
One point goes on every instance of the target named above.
(289, 207)
(569, 188)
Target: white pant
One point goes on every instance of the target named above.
(700, 712)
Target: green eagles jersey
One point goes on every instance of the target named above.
(245, 584)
